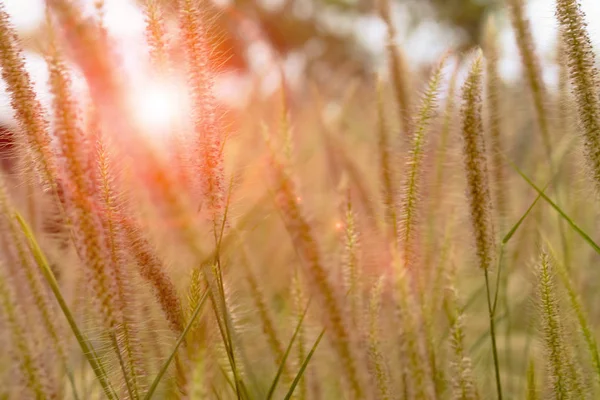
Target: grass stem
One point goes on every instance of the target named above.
(491, 310)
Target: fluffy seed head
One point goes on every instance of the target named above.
(584, 76)
(476, 166)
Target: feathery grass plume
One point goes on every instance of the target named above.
(88, 351)
(152, 270)
(152, 346)
(92, 53)
(216, 291)
(564, 95)
(200, 77)
(494, 125)
(580, 313)
(410, 223)
(97, 244)
(156, 36)
(443, 274)
(480, 202)
(92, 134)
(464, 386)
(114, 238)
(76, 178)
(198, 388)
(442, 147)
(475, 162)
(224, 315)
(194, 293)
(584, 77)
(352, 268)
(103, 257)
(377, 365)
(162, 67)
(532, 69)
(579, 385)
(34, 377)
(386, 171)
(537, 87)
(285, 125)
(439, 183)
(411, 187)
(173, 352)
(7, 226)
(30, 178)
(68, 133)
(556, 362)
(195, 341)
(399, 69)
(307, 246)
(532, 390)
(260, 303)
(419, 380)
(28, 110)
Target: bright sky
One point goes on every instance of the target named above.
(126, 22)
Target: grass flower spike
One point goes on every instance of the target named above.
(475, 163)
(584, 77)
(365, 203)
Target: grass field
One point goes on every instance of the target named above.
(430, 236)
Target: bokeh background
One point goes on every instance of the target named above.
(324, 47)
(328, 41)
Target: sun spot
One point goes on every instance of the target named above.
(158, 106)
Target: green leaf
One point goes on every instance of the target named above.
(86, 348)
(287, 352)
(575, 227)
(166, 364)
(303, 367)
(512, 231)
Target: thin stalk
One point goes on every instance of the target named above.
(86, 348)
(130, 390)
(286, 354)
(304, 365)
(166, 364)
(572, 223)
(493, 335)
(218, 301)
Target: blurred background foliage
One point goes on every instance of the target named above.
(325, 31)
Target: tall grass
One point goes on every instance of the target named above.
(323, 261)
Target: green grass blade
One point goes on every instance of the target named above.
(474, 297)
(130, 389)
(166, 364)
(227, 378)
(217, 396)
(286, 354)
(226, 328)
(218, 301)
(303, 367)
(503, 243)
(575, 227)
(516, 226)
(72, 381)
(86, 348)
(482, 339)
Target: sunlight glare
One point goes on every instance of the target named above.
(158, 107)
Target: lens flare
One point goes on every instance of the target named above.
(159, 106)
